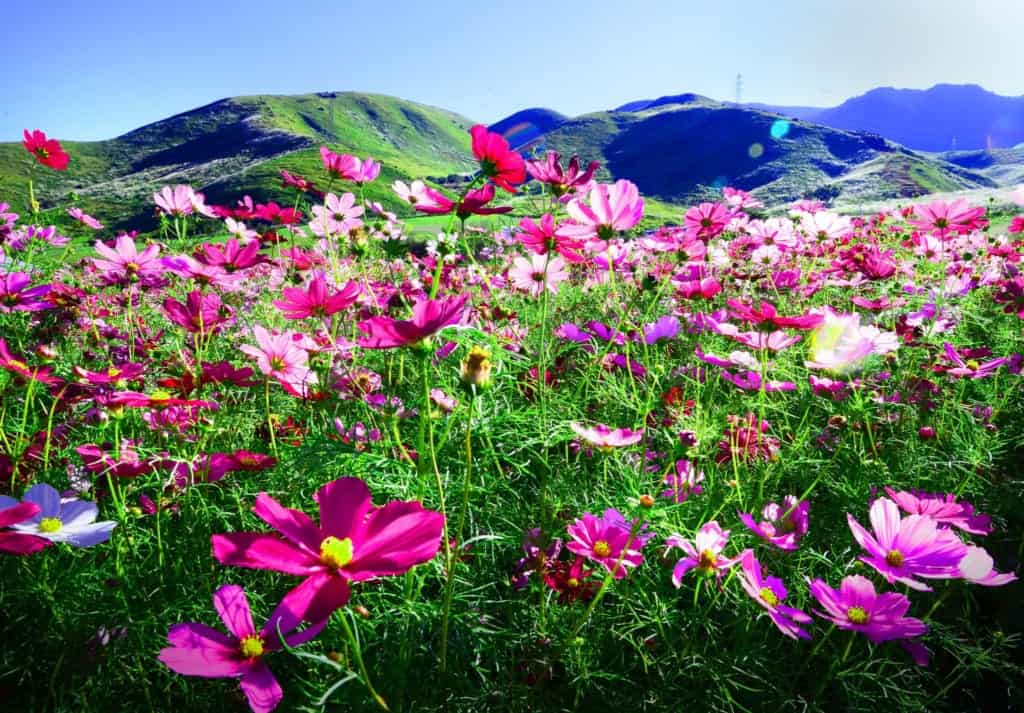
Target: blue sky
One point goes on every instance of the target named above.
(95, 69)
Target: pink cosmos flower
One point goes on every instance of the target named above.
(201, 314)
(914, 546)
(410, 193)
(237, 253)
(181, 200)
(978, 567)
(336, 216)
(704, 553)
(747, 440)
(543, 238)
(824, 225)
(124, 263)
(609, 540)
(609, 209)
(537, 273)
(783, 525)
(971, 368)
(841, 344)
(773, 341)
(282, 357)
(566, 182)
(604, 438)
(740, 199)
(316, 300)
(428, 317)
(354, 542)
(84, 218)
(18, 543)
(855, 606)
(769, 593)
(943, 218)
(707, 220)
(474, 203)
(684, 482)
(944, 509)
(17, 296)
(198, 650)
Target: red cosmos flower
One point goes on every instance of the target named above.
(473, 204)
(766, 315)
(47, 151)
(9, 362)
(498, 162)
(570, 581)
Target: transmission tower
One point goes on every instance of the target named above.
(739, 88)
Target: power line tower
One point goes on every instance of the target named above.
(739, 88)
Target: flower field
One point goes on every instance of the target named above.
(288, 457)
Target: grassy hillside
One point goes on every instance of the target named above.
(236, 146)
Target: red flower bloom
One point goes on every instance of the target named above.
(47, 151)
(498, 162)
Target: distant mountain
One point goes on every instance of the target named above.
(236, 146)
(946, 117)
(685, 147)
(527, 126)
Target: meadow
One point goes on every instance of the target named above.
(531, 445)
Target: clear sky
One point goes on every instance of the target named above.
(93, 69)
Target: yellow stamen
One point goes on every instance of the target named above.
(857, 615)
(768, 597)
(894, 558)
(336, 553)
(602, 548)
(49, 524)
(251, 646)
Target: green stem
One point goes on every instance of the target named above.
(357, 653)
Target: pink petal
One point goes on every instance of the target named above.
(233, 608)
(296, 525)
(262, 551)
(344, 504)
(261, 688)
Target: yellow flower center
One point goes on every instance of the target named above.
(857, 615)
(336, 553)
(18, 364)
(49, 524)
(277, 363)
(602, 548)
(113, 371)
(131, 267)
(251, 646)
(160, 396)
(894, 558)
(572, 583)
(707, 561)
(768, 597)
(972, 364)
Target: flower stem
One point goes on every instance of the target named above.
(358, 655)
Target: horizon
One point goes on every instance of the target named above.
(214, 54)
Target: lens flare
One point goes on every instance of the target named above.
(780, 127)
(755, 151)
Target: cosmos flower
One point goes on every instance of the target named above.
(942, 219)
(17, 296)
(856, 606)
(970, 368)
(46, 151)
(944, 509)
(18, 543)
(747, 440)
(71, 521)
(978, 567)
(316, 300)
(609, 210)
(703, 553)
(563, 183)
(783, 525)
(537, 273)
(503, 166)
(536, 559)
(202, 313)
(428, 317)
(604, 438)
(705, 221)
(684, 482)
(354, 542)
(543, 238)
(769, 593)
(199, 650)
(124, 263)
(473, 203)
(280, 356)
(609, 540)
(903, 549)
(84, 218)
(180, 201)
(841, 344)
(410, 193)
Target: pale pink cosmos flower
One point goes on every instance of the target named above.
(825, 225)
(703, 553)
(237, 228)
(411, 194)
(610, 209)
(85, 219)
(841, 344)
(942, 219)
(537, 273)
(978, 567)
(280, 356)
(181, 200)
(944, 509)
(337, 215)
(604, 438)
(124, 262)
(902, 549)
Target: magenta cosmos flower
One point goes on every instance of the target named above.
(604, 438)
(201, 314)
(317, 300)
(855, 606)
(610, 209)
(609, 540)
(704, 552)
(944, 509)
(124, 263)
(914, 546)
(17, 296)
(562, 182)
(282, 357)
(769, 593)
(971, 368)
(19, 543)
(783, 525)
(706, 220)
(941, 218)
(686, 481)
(503, 166)
(354, 542)
(543, 237)
(428, 317)
(199, 650)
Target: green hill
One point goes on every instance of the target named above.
(238, 145)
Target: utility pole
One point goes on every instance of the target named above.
(739, 88)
